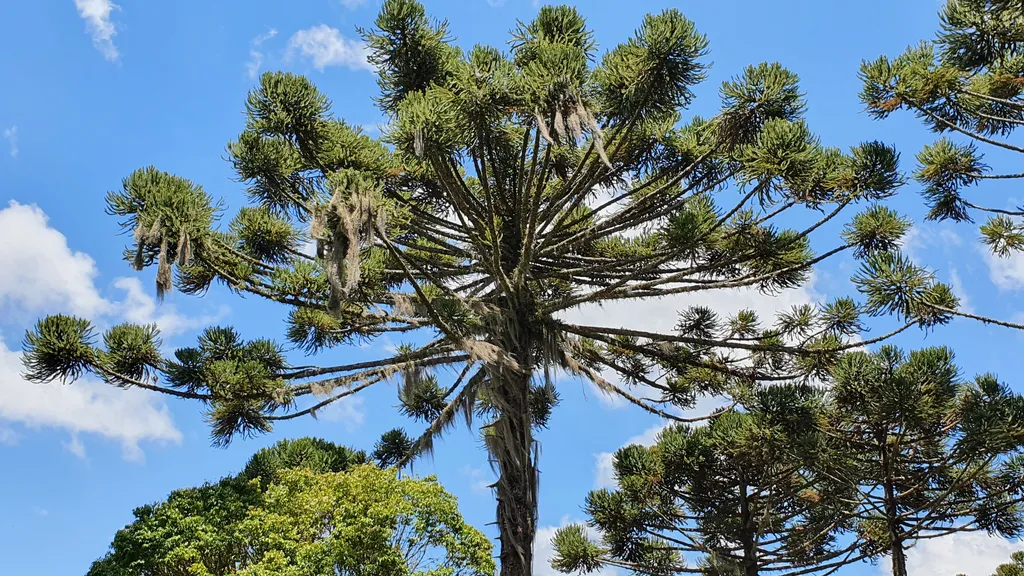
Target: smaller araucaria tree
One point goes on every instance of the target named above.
(740, 493)
(967, 83)
(929, 453)
(302, 508)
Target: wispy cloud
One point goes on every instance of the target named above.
(8, 437)
(957, 286)
(96, 14)
(75, 446)
(352, 4)
(11, 135)
(255, 54)
(325, 46)
(479, 481)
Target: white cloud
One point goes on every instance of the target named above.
(85, 407)
(38, 271)
(926, 236)
(75, 446)
(973, 554)
(604, 476)
(957, 286)
(1006, 273)
(543, 551)
(40, 274)
(349, 411)
(325, 46)
(352, 4)
(479, 480)
(140, 308)
(255, 55)
(11, 135)
(8, 437)
(96, 14)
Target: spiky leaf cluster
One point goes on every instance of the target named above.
(968, 85)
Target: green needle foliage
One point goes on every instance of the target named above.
(968, 83)
(741, 494)
(508, 188)
(302, 508)
(929, 453)
(897, 449)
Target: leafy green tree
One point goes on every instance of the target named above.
(968, 83)
(302, 508)
(741, 494)
(508, 189)
(929, 453)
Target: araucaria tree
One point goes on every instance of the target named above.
(509, 188)
(744, 494)
(929, 453)
(969, 84)
(896, 450)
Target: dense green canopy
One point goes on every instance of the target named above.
(898, 448)
(302, 508)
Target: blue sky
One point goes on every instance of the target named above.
(93, 91)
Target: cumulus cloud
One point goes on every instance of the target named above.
(11, 135)
(8, 437)
(255, 54)
(605, 476)
(543, 552)
(349, 411)
(325, 46)
(40, 271)
(85, 407)
(973, 554)
(928, 236)
(956, 284)
(1006, 273)
(40, 274)
(96, 14)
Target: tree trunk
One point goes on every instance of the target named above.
(899, 557)
(514, 452)
(748, 531)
